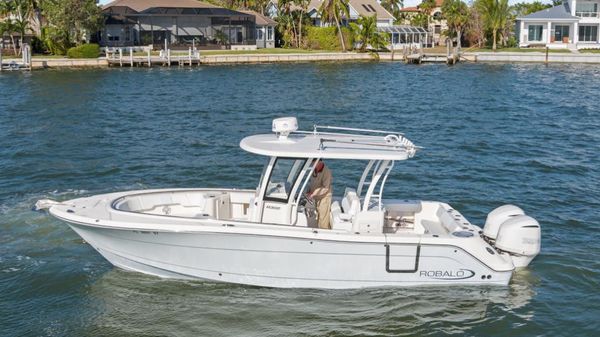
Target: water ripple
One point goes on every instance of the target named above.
(492, 134)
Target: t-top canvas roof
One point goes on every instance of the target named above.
(334, 144)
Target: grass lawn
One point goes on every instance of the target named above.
(591, 51)
(263, 51)
(239, 52)
(518, 50)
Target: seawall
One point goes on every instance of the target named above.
(508, 57)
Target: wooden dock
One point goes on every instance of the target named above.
(127, 58)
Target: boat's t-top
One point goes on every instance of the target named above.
(294, 154)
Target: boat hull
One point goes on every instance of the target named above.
(287, 262)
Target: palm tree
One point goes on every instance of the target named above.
(332, 12)
(393, 6)
(426, 8)
(366, 33)
(286, 18)
(22, 14)
(303, 4)
(456, 13)
(495, 14)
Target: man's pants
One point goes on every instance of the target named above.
(323, 212)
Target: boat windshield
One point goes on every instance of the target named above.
(283, 176)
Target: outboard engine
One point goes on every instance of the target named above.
(511, 231)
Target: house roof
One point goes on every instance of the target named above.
(561, 12)
(410, 9)
(261, 20)
(142, 5)
(362, 7)
(370, 8)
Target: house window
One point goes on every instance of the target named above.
(561, 33)
(586, 10)
(259, 33)
(535, 33)
(270, 33)
(588, 33)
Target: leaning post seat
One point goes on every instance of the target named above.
(343, 217)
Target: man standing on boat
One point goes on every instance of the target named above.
(321, 192)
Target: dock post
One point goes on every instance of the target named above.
(169, 57)
(149, 58)
(546, 61)
(131, 56)
(120, 57)
(190, 55)
(30, 57)
(1, 47)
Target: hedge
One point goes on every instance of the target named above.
(327, 38)
(85, 51)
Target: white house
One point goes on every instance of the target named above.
(574, 24)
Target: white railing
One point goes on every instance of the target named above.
(363, 137)
(582, 14)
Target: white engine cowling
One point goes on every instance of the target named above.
(497, 217)
(520, 236)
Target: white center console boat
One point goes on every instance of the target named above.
(266, 237)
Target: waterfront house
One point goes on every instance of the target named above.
(179, 23)
(265, 30)
(574, 24)
(436, 24)
(356, 9)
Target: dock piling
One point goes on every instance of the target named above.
(149, 58)
(1, 47)
(120, 57)
(131, 56)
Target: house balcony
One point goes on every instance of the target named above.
(587, 14)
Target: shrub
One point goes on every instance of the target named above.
(38, 46)
(326, 38)
(85, 51)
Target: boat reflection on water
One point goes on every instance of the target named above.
(128, 303)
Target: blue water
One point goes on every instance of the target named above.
(492, 134)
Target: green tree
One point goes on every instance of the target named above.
(18, 13)
(366, 33)
(526, 8)
(332, 11)
(420, 20)
(303, 5)
(287, 22)
(457, 15)
(69, 20)
(495, 15)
